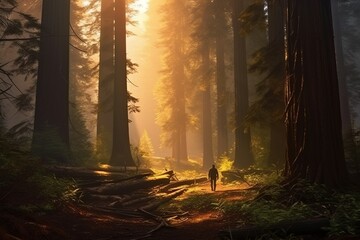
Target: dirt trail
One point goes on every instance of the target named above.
(77, 223)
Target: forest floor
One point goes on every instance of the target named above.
(95, 212)
(198, 222)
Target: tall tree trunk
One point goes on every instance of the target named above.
(180, 147)
(277, 144)
(276, 40)
(106, 81)
(51, 121)
(121, 154)
(208, 157)
(243, 154)
(179, 135)
(347, 130)
(313, 120)
(222, 129)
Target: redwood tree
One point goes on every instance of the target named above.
(106, 80)
(221, 113)
(171, 94)
(313, 121)
(243, 154)
(121, 154)
(51, 124)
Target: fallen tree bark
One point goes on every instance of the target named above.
(156, 204)
(96, 173)
(97, 183)
(281, 229)
(128, 186)
(84, 173)
(182, 183)
(112, 211)
(138, 200)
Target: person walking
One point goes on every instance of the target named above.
(213, 176)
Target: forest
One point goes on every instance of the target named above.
(179, 119)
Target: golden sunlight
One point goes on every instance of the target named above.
(141, 5)
(85, 3)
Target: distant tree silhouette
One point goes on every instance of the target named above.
(172, 116)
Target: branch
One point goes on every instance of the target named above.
(84, 51)
(4, 91)
(76, 35)
(17, 39)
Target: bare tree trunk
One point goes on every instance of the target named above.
(243, 154)
(106, 81)
(208, 157)
(180, 119)
(276, 40)
(313, 120)
(121, 154)
(347, 130)
(222, 122)
(51, 123)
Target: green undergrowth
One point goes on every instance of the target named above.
(278, 203)
(26, 186)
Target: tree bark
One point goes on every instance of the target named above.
(313, 120)
(243, 154)
(221, 104)
(180, 117)
(128, 186)
(106, 81)
(51, 123)
(347, 129)
(121, 154)
(276, 40)
(208, 157)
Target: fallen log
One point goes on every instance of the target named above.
(158, 203)
(138, 200)
(84, 173)
(170, 173)
(131, 170)
(100, 198)
(128, 186)
(112, 211)
(182, 183)
(97, 183)
(282, 229)
(97, 173)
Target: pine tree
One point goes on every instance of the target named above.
(145, 146)
(202, 72)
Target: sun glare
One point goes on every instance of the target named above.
(141, 5)
(85, 3)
